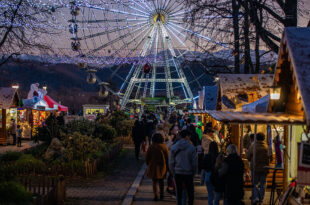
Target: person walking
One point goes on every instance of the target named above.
(19, 136)
(172, 139)
(258, 168)
(138, 136)
(13, 130)
(278, 149)
(207, 138)
(246, 138)
(183, 166)
(231, 171)
(157, 164)
(208, 165)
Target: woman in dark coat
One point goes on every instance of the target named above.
(232, 171)
(208, 165)
(138, 136)
(157, 164)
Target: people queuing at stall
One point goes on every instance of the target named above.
(179, 154)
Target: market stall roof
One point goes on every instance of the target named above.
(210, 97)
(8, 96)
(39, 104)
(236, 90)
(298, 49)
(197, 111)
(259, 106)
(259, 118)
(52, 103)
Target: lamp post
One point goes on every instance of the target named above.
(275, 92)
(44, 86)
(15, 86)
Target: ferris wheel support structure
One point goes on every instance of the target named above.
(138, 78)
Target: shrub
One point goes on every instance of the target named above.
(104, 132)
(85, 127)
(11, 156)
(27, 163)
(37, 151)
(13, 193)
(116, 118)
(50, 130)
(80, 147)
(125, 128)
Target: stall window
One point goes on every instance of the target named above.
(10, 114)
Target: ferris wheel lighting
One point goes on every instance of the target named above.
(201, 36)
(139, 32)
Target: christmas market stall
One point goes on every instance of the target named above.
(8, 110)
(90, 112)
(36, 109)
(206, 101)
(292, 89)
(236, 125)
(287, 118)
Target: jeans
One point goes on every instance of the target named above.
(217, 198)
(14, 139)
(188, 181)
(137, 149)
(210, 188)
(157, 182)
(19, 141)
(261, 179)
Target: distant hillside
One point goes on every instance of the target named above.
(67, 84)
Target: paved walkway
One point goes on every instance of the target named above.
(14, 148)
(145, 195)
(110, 189)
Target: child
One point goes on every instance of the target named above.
(19, 136)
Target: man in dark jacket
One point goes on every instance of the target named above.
(232, 171)
(258, 168)
(138, 136)
(183, 166)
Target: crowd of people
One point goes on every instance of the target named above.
(178, 151)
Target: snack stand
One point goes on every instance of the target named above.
(9, 100)
(90, 112)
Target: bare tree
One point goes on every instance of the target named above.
(22, 23)
(253, 23)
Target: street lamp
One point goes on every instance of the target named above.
(275, 92)
(15, 86)
(44, 87)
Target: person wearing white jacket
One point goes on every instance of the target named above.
(183, 165)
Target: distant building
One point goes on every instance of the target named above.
(90, 112)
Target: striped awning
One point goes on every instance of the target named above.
(253, 118)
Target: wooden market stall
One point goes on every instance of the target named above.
(287, 116)
(8, 110)
(292, 75)
(278, 123)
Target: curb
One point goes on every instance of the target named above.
(134, 187)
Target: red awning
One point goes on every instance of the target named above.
(52, 102)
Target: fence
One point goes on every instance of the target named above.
(48, 185)
(45, 189)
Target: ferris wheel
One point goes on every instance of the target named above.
(149, 36)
